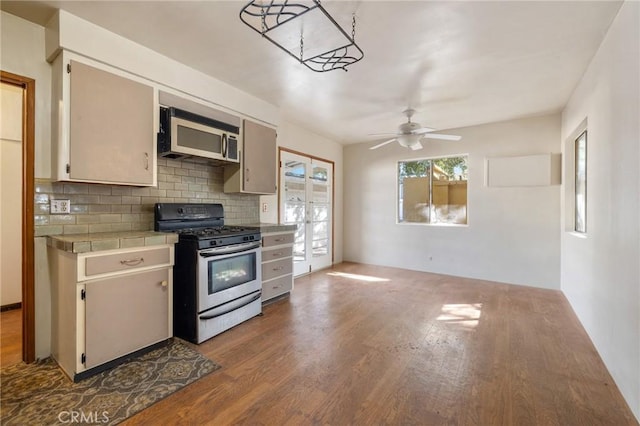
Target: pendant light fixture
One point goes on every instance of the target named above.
(304, 30)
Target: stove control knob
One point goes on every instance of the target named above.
(212, 242)
(180, 210)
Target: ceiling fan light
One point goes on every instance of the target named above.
(408, 140)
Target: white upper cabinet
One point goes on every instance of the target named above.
(257, 172)
(104, 124)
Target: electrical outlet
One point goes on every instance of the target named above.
(60, 206)
(265, 207)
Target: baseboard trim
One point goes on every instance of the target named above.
(10, 307)
(113, 363)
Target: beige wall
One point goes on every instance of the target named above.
(11, 194)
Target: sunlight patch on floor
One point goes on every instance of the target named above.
(366, 278)
(465, 314)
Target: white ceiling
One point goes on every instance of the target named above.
(458, 63)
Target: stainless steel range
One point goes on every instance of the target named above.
(217, 280)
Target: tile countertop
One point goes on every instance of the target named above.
(266, 228)
(82, 243)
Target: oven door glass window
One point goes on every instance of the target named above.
(231, 271)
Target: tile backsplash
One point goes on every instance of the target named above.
(111, 208)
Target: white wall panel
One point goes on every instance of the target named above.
(523, 170)
(22, 47)
(601, 270)
(512, 234)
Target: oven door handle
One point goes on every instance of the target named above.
(253, 299)
(236, 248)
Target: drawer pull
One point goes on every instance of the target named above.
(279, 268)
(275, 287)
(277, 254)
(277, 240)
(132, 262)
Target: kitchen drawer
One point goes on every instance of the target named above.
(123, 262)
(277, 253)
(276, 268)
(273, 288)
(276, 240)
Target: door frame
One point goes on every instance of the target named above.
(28, 161)
(333, 188)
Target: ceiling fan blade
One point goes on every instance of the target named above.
(383, 143)
(381, 134)
(416, 146)
(422, 130)
(443, 137)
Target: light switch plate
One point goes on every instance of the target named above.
(60, 207)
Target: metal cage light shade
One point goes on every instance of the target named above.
(305, 31)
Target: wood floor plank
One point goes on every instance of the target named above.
(10, 337)
(370, 345)
(361, 345)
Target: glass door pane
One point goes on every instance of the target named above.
(295, 204)
(306, 197)
(321, 198)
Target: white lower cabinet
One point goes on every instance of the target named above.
(109, 305)
(277, 264)
(124, 314)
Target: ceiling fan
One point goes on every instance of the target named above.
(409, 134)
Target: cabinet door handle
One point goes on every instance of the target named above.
(132, 262)
(246, 174)
(164, 283)
(146, 161)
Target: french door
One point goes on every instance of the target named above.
(306, 200)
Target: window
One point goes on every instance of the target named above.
(433, 190)
(580, 200)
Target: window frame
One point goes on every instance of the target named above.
(431, 160)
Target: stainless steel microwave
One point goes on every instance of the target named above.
(184, 134)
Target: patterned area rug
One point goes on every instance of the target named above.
(41, 394)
